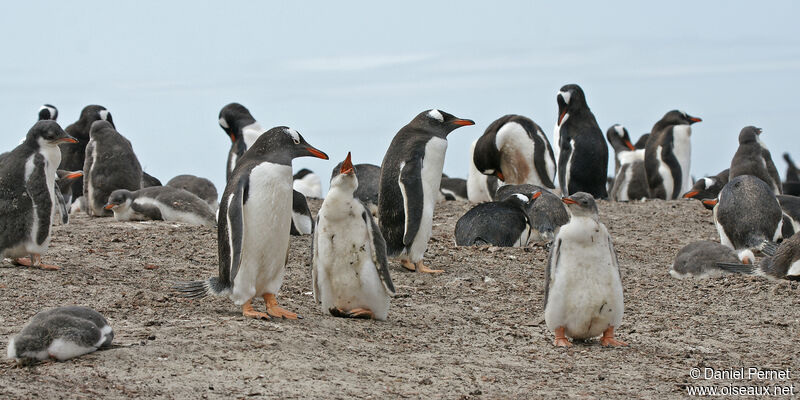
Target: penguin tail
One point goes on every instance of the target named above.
(737, 268)
(200, 289)
(768, 248)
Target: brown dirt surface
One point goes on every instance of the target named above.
(476, 331)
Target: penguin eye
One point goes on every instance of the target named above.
(296, 141)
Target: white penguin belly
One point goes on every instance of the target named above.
(62, 349)
(267, 219)
(794, 269)
(302, 223)
(682, 142)
(309, 185)
(432, 166)
(170, 214)
(477, 183)
(667, 179)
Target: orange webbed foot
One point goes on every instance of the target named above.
(408, 265)
(561, 339)
(424, 268)
(608, 338)
(275, 311)
(249, 312)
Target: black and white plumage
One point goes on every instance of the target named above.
(411, 173)
(28, 193)
(64, 192)
(498, 223)
(480, 187)
(783, 264)
(165, 203)
(630, 178)
(243, 130)
(350, 274)
(255, 216)
(753, 158)
(308, 183)
(61, 333)
(747, 214)
(369, 177)
(110, 164)
(453, 189)
(699, 259)
(201, 187)
(583, 289)
(583, 153)
(668, 156)
(516, 150)
(302, 223)
(48, 111)
(73, 154)
(790, 205)
(546, 211)
(708, 187)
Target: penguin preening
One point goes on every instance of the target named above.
(110, 164)
(243, 130)
(302, 223)
(160, 203)
(783, 264)
(668, 156)
(73, 154)
(28, 193)
(708, 187)
(60, 333)
(255, 216)
(48, 111)
(201, 187)
(630, 178)
(699, 259)
(546, 211)
(411, 173)
(753, 158)
(583, 153)
(515, 149)
(583, 289)
(350, 275)
(498, 223)
(308, 183)
(480, 187)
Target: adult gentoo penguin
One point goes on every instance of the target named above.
(160, 203)
(454, 188)
(668, 155)
(583, 158)
(708, 187)
(350, 275)
(110, 165)
(480, 187)
(201, 187)
(73, 154)
(60, 333)
(699, 259)
(253, 229)
(48, 111)
(28, 193)
(784, 264)
(515, 149)
(241, 128)
(583, 289)
(302, 223)
(753, 158)
(369, 177)
(747, 214)
(308, 183)
(410, 176)
(630, 179)
(497, 223)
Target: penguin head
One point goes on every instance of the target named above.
(101, 129)
(346, 178)
(678, 117)
(48, 111)
(438, 123)
(232, 118)
(580, 204)
(65, 178)
(47, 133)
(281, 144)
(700, 190)
(570, 98)
(120, 198)
(619, 139)
(749, 134)
(92, 113)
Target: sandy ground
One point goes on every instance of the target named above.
(476, 331)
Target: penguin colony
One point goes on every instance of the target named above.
(528, 191)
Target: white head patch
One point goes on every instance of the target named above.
(488, 172)
(223, 123)
(521, 197)
(435, 114)
(104, 115)
(709, 182)
(293, 134)
(566, 96)
(620, 130)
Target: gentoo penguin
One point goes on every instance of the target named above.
(630, 179)
(28, 193)
(64, 192)
(454, 188)
(497, 223)
(201, 187)
(350, 275)
(583, 158)
(110, 165)
(708, 187)
(308, 183)
(545, 211)
(747, 214)
(48, 111)
(514, 149)
(254, 220)
(784, 264)
(160, 203)
(410, 176)
(583, 289)
(668, 155)
(73, 154)
(792, 184)
(699, 259)
(149, 180)
(753, 158)
(790, 205)
(302, 223)
(369, 177)
(60, 333)
(242, 128)
(480, 187)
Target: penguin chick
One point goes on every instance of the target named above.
(201, 187)
(699, 259)
(583, 290)
(350, 275)
(369, 176)
(160, 203)
(545, 210)
(708, 187)
(110, 164)
(498, 223)
(784, 264)
(753, 158)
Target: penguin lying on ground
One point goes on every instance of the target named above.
(28, 193)
(480, 187)
(110, 164)
(753, 158)
(784, 264)
(792, 184)
(302, 223)
(708, 187)
(498, 223)
(583, 289)
(160, 203)
(201, 187)
(668, 156)
(453, 188)
(243, 130)
(369, 176)
(307, 183)
(630, 178)
(60, 333)
(254, 220)
(546, 211)
(48, 111)
(699, 259)
(350, 275)
(74, 154)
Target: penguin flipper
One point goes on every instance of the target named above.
(737, 268)
(62, 206)
(550, 271)
(411, 187)
(148, 210)
(314, 258)
(87, 175)
(231, 230)
(378, 245)
(39, 192)
(668, 157)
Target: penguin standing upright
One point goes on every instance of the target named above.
(630, 179)
(253, 230)
(369, 177)
(302, 222)
(514, 149)
(409, 187)
(668, 156)
(583, 289)
(73, 154)
(110, 164)
(48, 111)
(708, 187)
(480, 187)
(753, 158)
(28, 193)
(350, 275)
(583, 158)
(243, 130)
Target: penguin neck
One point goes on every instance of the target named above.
(338, 202)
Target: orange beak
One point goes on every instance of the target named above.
(537, 195)
(691, 194)
(567, 200)
(695, 119)
(347, 165)
(464, 122)
(561, 117)
(233, 137)
(316, 153)
(68, 139)
(74, 175)
(710, 202)
(500, 176)
(630, 145)
(109, 206)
